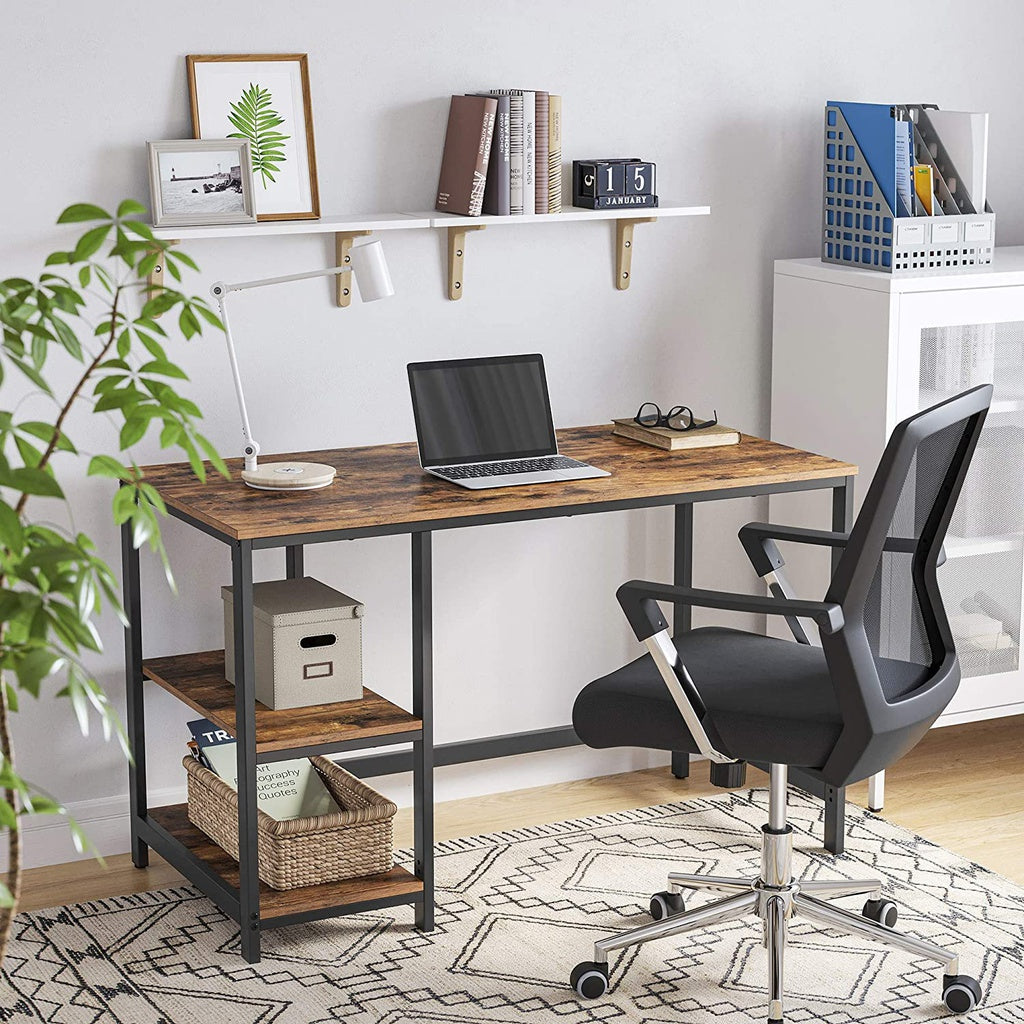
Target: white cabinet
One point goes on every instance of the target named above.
(856, 351)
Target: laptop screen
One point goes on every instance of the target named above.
(481, 410)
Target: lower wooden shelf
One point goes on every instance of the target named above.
(390, 885)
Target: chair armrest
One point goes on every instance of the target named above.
(758, 540)
(639, 600)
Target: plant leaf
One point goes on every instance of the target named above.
(12, 533)
(106, 465)
(35, 666)
(90, 242)
(82, 211)
(129, 207)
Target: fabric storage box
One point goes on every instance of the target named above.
(308, 642)
(354, 841)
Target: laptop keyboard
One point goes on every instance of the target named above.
(482, 469)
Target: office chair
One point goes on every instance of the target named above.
(885, 670)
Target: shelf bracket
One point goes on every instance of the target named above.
(456, 255)
(155, 278)
(342, 249)
(624, 249)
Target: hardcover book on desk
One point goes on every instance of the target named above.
(467, 150)
(676, 440)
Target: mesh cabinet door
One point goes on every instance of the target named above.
(981, 581)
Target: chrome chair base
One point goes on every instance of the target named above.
(776, 897)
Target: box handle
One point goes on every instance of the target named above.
(319, 640)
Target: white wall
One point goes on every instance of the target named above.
(727, 98)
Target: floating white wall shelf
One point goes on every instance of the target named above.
(346, 228)
(624, 217)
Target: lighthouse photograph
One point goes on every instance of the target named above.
(201, 182)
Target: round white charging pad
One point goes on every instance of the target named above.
(289, 476)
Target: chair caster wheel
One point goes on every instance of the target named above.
(884, 912)
(960, 992)
(666, 904)
(589, 979)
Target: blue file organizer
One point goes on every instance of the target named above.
(858, 225)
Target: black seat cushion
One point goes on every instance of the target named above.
(767, 700)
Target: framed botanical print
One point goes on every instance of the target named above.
(200, 181)
(262, 98)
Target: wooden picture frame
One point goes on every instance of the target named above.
(196, 182)
(265, 98)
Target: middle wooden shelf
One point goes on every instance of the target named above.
(198, 680)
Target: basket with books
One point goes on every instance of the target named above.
(316, 822)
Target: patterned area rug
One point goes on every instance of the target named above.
(516, 911)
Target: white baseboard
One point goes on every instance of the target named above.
(47, 839)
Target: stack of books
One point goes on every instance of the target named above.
(502, 154)
(284, 789)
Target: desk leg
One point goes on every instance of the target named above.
(134, 693)
(835, 799)
(682, 564)
(682, 614)
(245, 736)
(423, 708)
(293, 562)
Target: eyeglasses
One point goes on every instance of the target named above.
(679, 417)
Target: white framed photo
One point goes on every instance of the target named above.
(265, 99)
(201, 181)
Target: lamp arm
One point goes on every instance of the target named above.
(252, 447)
(377, 276)
(242, 286)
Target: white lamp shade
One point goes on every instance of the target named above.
(370, 269)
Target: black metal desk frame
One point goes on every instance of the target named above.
(242, 904)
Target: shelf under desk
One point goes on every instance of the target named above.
(198, 681)
(286, 906)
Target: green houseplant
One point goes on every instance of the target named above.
(92, 308)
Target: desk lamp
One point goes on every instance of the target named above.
(370, 269)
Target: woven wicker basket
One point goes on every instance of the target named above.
(355, 840)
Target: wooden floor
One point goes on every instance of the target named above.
(962, 787)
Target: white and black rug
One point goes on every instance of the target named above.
(516, 910)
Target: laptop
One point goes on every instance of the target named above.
(487, 423)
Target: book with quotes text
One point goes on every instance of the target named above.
(284, 789)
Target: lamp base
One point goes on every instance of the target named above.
(289, 476)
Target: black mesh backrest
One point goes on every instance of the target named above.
(904, 627)
(886, 580)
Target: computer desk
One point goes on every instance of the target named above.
(381, 491)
